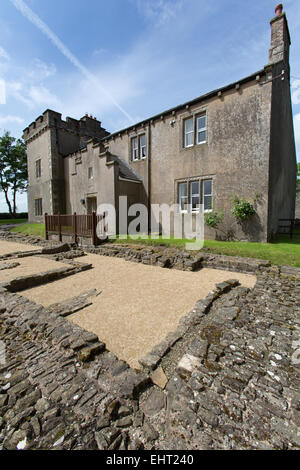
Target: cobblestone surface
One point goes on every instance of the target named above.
(231, 381)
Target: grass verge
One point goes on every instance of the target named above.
(30, 229)
(12, 221)
(282, 251)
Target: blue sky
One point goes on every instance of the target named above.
(124, 60)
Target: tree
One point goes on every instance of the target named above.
(13, 169)
(298, 177)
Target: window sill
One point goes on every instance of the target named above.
(188, 147)
(194, 146)
(139, 160)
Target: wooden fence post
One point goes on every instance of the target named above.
(46, 226)
(75, 227)
(94, 227)
(59, 228)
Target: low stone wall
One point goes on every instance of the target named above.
(202, 307)
(33, 280)
(179, 259)
(228, 376)
(21, 238)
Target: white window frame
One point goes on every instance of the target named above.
(134, 149)
(91, 173)
(207, 195)
(201, 129)
(190, 132)
(195, 211)
(141, 147)
(183, 211)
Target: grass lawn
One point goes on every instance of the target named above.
(30, 229)
(12, 221)
(282, 251)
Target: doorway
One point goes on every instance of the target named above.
(91, 205)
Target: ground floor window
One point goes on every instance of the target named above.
(207, 195)
(183, 196)
(192, 193)
(38, 207)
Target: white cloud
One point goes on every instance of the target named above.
(16, 90)
(297, 134)
(41, 71)
(10, 119)
(2, 91)
(159, 11)
(3, 54)
(297, 128)
(41, 96)
(44, 28)
(296, 92)
(33, 96)
(21, 203)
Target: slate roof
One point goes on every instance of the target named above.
(125, 171)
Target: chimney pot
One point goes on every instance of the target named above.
(278, 9)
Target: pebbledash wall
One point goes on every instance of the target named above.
(249, 151)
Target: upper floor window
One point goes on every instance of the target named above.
(189, 132)
(138, 148)
(142, 140)
(38, 207)
(91, 173)
(134, 149)
(195, 130)
(38, 168)
(201, 129)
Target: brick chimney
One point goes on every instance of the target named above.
(280, 37)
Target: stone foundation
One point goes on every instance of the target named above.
(228, 378)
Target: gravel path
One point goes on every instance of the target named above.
(28, 266)
(139, 304)
(11, 247)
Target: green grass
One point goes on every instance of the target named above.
(12, 221)
(282, 251)
(30, 229)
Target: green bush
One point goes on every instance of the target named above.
(242, 209)
(213, 219)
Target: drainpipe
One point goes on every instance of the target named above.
(149, 177)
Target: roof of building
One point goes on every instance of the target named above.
(188, 103)
(125, 171)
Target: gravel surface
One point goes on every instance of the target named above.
(139, 305)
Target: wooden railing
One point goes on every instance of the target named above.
(75, 225)
(290, 227)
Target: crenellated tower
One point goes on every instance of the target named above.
(49, 139)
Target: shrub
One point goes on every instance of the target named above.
(19, 215)
(242, 209)
(213, 219)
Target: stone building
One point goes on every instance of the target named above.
(237, 140)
